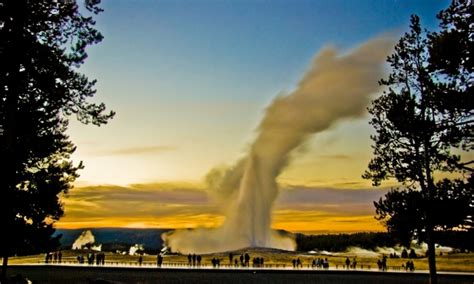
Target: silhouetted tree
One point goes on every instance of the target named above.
(404, 253)
(341, 242)
(412, 254)
(425, 114)
(42, 44)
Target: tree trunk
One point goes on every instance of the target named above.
(3, 279)
(431, 257)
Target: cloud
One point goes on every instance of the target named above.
(138, 150)
(323, 222)
(186, 205)
(335, 157)
(341, 202)
(120, 205)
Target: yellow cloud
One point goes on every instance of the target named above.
(321, 222)
(138, 150)
(187, 205)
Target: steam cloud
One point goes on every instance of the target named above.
(85, 238)
(136, 249)
(336, 87)
(420, 250)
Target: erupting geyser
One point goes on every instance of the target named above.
(335, 87)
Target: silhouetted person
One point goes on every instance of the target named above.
(242, 260)
(159, 260)
(190, 257)
(298, 262)
(140, 260)
(261, 261)
(231, 257)
(384, 263)
(55, 256)
(348, 262)
(60, 256)
(198, 258)
(294, 262)
(354, 263)
(236, 263)
(90, 258)
(194, 259)
(325, 263)
(247, 259)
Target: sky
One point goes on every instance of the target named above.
(190, 82)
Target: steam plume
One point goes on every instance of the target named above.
(335, 87)
(136, 249)
(85, 238)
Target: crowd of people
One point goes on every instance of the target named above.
(320, 263)
(409, 266)
(382, 263)
(194, 260)
(315, 263)
(215, 262)
(350, 264)
(242, 260)
(98, 259)
(53, 257)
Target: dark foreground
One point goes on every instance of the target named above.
(65, 274)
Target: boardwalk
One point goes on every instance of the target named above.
(169, 274)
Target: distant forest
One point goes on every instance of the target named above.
(340, 242)
(113, 239)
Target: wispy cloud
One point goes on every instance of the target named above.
(335, 157)
(139, 150)
(342, 202)
(185, 205)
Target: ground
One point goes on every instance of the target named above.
(455, 268)
(460, 262)
(84, 274)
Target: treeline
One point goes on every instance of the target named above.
(462, 240)
(341, 242)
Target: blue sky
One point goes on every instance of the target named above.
(231, 50)
(190, 80)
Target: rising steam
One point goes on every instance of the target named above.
(136, 249)
(86, 238)
(336, 87)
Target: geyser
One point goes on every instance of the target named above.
(86, 238)
(335, 87)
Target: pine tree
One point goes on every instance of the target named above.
(423, 125)
(42, 45)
